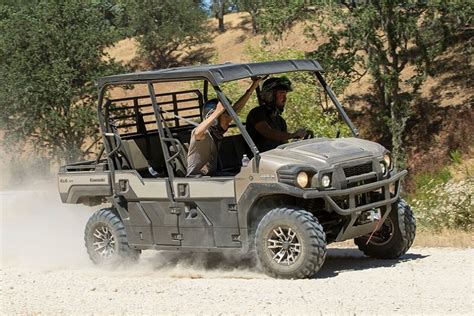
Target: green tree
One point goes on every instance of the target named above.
(164, 27)
(51, 53)
(382, 38)
(277, 16)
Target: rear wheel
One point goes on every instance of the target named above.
(290, 243)
(106, 240)
(395, 236)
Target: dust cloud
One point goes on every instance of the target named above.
(37, 231)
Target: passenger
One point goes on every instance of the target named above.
(264, 123)
(205, 138)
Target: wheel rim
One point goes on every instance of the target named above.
(384, 234)
(104, 242)
(284, 245)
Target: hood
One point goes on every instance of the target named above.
(323, 151)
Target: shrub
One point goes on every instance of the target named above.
(445, 205)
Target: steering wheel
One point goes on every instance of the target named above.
(309, 134)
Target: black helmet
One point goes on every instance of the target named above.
(277, 83)
(270, 86)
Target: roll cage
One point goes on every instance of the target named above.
(214, 75)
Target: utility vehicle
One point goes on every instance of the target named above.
(286, 205)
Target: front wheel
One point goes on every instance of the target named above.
(106, 240)
(290, 243)
(394, 237)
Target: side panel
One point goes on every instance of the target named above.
(75, 185)
(151, 217)
(133, 187)
(196, 228)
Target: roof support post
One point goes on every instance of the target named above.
(105, 140)
(157, 110)
(235, 117)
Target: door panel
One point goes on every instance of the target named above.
(133, 187)
(140, 225)
(165, 224)
(195, 227)
(212, 203)
(223, 214)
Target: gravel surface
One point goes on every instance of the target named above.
(424, 281)
(45, 270)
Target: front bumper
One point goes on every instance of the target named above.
(351, 194)
(255, 191)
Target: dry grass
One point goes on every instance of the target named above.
(465, 169)
(446, 238)
(124, 51)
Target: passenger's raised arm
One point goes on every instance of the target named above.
(244, 98)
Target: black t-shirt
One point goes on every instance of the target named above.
(273, 118)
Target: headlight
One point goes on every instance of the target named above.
(302, 179)
(388, 161)
(326, 181)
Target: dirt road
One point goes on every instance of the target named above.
(44, 269)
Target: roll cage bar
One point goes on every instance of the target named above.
(215, 75)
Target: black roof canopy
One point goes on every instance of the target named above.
(216, 74)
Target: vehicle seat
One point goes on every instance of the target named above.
(135, 158)
(180, 162)
(231, 150)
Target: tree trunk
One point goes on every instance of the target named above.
(254, 22)
(398, 112)
(221, 24)
(220, 14)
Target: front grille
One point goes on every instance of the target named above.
(357, 170)
(359, 183)
(342, 201)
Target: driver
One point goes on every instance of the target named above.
(265, 124)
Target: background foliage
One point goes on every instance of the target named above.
(51, 53)
(163, 28)
(442, 203)
(381, 38)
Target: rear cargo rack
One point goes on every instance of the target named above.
(133, 115)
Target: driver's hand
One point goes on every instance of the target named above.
(300, 133)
